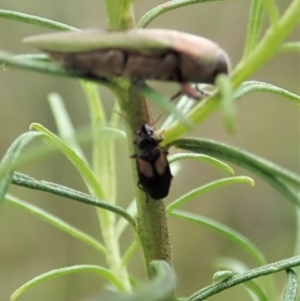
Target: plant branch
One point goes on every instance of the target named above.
(240, 278)
(31, 183)
(120, 14)
(153, 224)
(34, 20)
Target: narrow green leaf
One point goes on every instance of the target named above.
(208, 187)
(165, 7)
(121, 224)
(226, 231)
(104, 169)
(283, 188)
(56, 222)
(224, 85)
(297, 236)
(129, 252)
(290, 47)
(291, 289)
(10, 158)
(254, 26)
(159, 288)
(255, 86)
(235, 267)
(103, 150)
(35, 20)
(262, 167)
(34, 56)
(200, 157)
(47, 68)
(64, 124)
(272, 11)
(231, 264)
(94, 101)
(106, 274)
(268, 269)
(222, 275)
(115, 117)
(29, 182)
(83, 136)
(87, 175)
(255, 291)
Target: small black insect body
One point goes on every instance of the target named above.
(152, 165)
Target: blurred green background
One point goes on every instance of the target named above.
(267, 125)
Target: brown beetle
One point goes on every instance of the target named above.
(137, 54)
(152, 165)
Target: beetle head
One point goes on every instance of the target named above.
(223, 64)
(204, 69)
(146, 139)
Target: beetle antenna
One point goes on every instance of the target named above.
(159, 116)
(122, 117)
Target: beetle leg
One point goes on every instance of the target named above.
(179, 93)
(195, 93)
(141, 187)
(202, 92)
(189, 91)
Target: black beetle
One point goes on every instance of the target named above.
(152, 165)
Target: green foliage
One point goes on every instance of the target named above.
(99, 175)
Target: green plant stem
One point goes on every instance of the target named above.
(103, 163)
(120, 14)
(255, 24)
(243, 277)
(153, 228)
